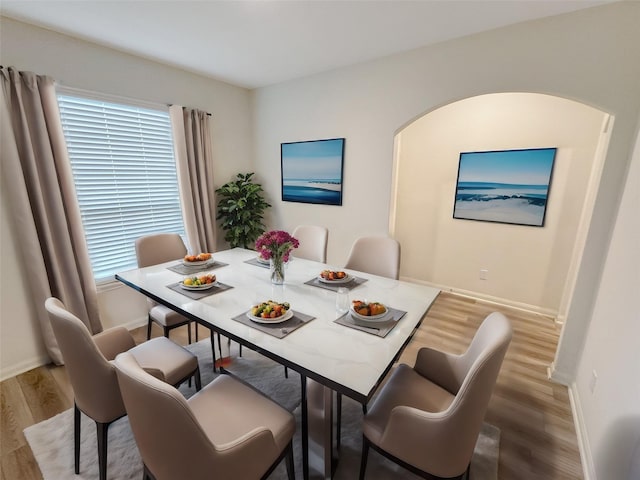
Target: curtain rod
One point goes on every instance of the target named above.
(71, 88)
(171, 105)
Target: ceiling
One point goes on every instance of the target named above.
(258, 43)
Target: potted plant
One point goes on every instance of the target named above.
(240, 207)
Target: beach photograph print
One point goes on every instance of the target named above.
(312, 171)
(509, 186)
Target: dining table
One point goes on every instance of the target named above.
(332, 350)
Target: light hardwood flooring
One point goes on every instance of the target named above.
(538, 439)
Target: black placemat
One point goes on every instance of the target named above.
(183, 269)
(334, 287)
(279, 330)
(197, 294)
(257, 263)
(379, 329)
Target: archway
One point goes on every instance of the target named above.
(524, 266)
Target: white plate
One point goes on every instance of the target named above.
(263, 261)
(280, 319)
(346, 279)
(370, 318)
(197, 263)
(206, 286)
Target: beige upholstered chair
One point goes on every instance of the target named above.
(161, 248)
(378, 256)
(375, 255)
(152, 250)
(228, 430)
(93, 376)
(313, 242)
(428, 418)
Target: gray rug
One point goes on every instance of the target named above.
(52, 440)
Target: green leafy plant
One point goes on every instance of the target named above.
(240, 207)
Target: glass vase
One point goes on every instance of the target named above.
(276, 265)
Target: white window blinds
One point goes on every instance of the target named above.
(125, 177)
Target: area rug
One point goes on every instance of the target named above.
(52, 440)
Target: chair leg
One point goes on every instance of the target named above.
(103, 435)
(76, 437)
(286, 372)
(165, 332)
(149, 328)
(338, 419)
(213, 351)
(363, 456)
(146, 473)
(189, 332)
(196, 331)
(196, 375)
(240, 350)
(290, 468)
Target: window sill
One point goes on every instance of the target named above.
(107, 285)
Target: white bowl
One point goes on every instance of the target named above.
(370, 318)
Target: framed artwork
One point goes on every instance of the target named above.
(312, 171)
(506, 186)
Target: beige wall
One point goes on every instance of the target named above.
(609, 413)
(589, 56)
(526, 265)
(84, 65)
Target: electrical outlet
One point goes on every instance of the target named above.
(484, 274)
(594, 380)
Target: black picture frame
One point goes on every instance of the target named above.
(312, 171)
(504, 186)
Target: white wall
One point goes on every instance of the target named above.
(589, 56)
(526, 265)
(611, 413)
(84, 65)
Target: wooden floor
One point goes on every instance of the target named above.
(538, 438)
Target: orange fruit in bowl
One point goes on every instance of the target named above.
(377, 308)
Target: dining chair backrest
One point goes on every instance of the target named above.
(93, 378)
(193, 439)
(313, 242)
(430, 419)
(474, 377)
(471, 378)
(376, 255)
(171, 441)
(159, 248)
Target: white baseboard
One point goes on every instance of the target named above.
(24, 366)
(559, 377)
(489, 298)
(39, 361)
(138, 322)
(588, 468)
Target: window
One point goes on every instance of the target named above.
(125, 177)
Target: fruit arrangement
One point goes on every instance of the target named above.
(201, 257)
(368, 309)
(270, 309)
(331, 275)
(199, 281)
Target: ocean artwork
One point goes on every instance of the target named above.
(509, 186)
(312, 171)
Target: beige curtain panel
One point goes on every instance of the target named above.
(38, 182)
(194, 161)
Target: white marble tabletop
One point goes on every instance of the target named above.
(350, 361)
